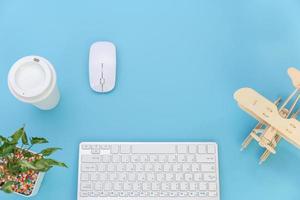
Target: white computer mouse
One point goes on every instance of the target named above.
(102, 66)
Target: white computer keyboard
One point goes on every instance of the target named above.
(148, 171)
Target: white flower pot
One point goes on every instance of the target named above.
(36, 187)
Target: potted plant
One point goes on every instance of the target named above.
(21, 169)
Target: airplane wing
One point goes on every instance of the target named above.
(266, 112)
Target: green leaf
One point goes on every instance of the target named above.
(7, 187)
(7, 149)
(56, 163)
(26, 164)
(3, 139)
(38, 140)
(42, 165)
(24, 138)
(27, 154)
(17, 135)
(49, 151)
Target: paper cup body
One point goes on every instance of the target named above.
(32, 80)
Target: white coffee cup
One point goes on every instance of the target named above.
(32, 79)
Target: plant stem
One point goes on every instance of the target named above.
(29, 147)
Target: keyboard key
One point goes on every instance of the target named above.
(95, 151)
(149, 167)
(192, 194)
(125, 149)
(107, 186)
(123, 194)
(106, 158)
(94, 177)
(202, 149)
(188, 177)
(182, 149)
(175, 186)
(158, 167)
(121, 167)
(153, 158)
(208, 167)
(141, 177)
(210, 148)
(190, 158)
(87, 167)
(113, 194)
(133, 194)
(147, 186)
(210, 177)
(151, 177)
(116, 159)
(155, 186)
(192, 149)
(177, 167)
(103, 194)
(130, 167)
(212, 186)
(162, 158)
(131, 177)
(122, 176)
(198, 177)
(212, 194)
(203, 194)
(153, 194)
(196, 168)
(86, 185)
(101, 167)
(98, 186)
(144, 158)
(173, 194)
(202, 186)
(205, 158)
(186, 167)
(112, 176)
(139, 167)
(128, 186)
(153, 148)
(85, 146)
(181, 158)
(183, 194)
(143, 194)
(160, 177)
(90, 159)
(102, 176)
(165, 186)
(167, 167)
(118, 186)
(172, 158)
(184, 186)
(193, 186)
(179, 177)
(170, 176)
(135, 158)
(105, 146)
(115, 149)
(84, 194)
(125, 158)
(85, 176)
(111, 167)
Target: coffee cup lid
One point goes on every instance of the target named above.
(30, 77)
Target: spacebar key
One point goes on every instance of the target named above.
(153, 148)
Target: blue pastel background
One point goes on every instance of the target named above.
(179, 63)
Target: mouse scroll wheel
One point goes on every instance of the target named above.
(102, 80)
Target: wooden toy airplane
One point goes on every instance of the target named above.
(275, 120)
